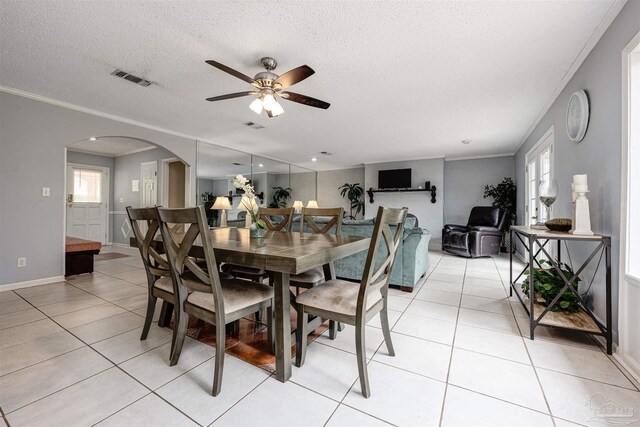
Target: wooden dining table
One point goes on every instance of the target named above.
(283, 254)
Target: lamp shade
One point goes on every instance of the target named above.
(312, 204)
(222, 202)
(297, 205)
(247, 203)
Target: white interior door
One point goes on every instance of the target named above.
(629, 300)
(149, 174)
(87, 195)
(539, 168)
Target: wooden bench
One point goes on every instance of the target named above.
(79, 255)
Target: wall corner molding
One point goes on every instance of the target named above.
(30, 283)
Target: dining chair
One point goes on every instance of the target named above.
(332, 222)
(214, 300)
(155, 265)
(333, 217)
(356, 303)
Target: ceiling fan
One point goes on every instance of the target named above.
(269, 86)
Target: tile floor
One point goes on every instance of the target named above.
(70, 355)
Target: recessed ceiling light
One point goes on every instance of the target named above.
(466, 141)
(313, 159)
(93, 138)
(261, 165)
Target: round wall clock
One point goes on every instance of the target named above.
(577, 115)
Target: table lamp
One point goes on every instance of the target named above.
(298, 205)
(246, 204)
(312, 204)
(222, 203)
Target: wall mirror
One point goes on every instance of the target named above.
(214, 168)
(303, 184)
(270, 178)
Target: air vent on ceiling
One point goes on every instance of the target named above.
(253, 125)
(326, 153)
(237, 164)
(130, 77)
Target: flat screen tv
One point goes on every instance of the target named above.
(394, 178)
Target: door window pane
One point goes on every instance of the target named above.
(87, 186)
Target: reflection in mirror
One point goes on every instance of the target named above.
(303, 183)
(215, 167)
(271, 177)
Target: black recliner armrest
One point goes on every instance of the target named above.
(456, 227)
(486, 230)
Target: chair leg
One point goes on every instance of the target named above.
(270, 335)
(219, 362)
(165, 314)
(333, 329)
(179, 333)
(384, 321)
(361, 355)
(301, 337)
(151, 308)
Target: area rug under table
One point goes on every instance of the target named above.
(251, 344)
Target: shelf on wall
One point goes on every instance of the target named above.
(430, 189)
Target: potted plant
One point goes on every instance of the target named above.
(258, 227)
(354, 193)
(280, 197)
(504, 197)
(547, 283)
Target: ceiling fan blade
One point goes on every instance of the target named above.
(303, 99)
(294, 76)
(231, 71)
(230, 96)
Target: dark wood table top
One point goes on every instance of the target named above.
(291, 253)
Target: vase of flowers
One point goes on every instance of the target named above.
(258, 227)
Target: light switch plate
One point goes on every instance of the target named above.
(46, 191)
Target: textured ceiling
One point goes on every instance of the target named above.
(111, 146)
(405, 80)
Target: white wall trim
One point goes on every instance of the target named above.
(613, 11)
(122, 245)
(95, 153)
(622, 353)
(117, 212)
(30, 283)
(484, 156)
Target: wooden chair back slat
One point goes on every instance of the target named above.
(335, 216)
(377, 277)
(267, 214)
(154, 263)
(179, 245)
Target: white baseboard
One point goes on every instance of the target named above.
(30, 283)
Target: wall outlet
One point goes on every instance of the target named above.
(22, 262)
(121, 199)
(46, 191)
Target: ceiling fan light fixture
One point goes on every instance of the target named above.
(256, 106)
(277, 109)
(268, 101)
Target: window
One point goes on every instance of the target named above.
(539, 169)
(87, 186)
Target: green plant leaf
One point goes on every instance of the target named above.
(261, 224)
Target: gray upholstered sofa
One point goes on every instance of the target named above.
(412, 259)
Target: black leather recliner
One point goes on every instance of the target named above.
(480, 237)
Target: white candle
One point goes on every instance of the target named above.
(580, 179)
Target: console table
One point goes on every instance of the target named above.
(535, 242)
